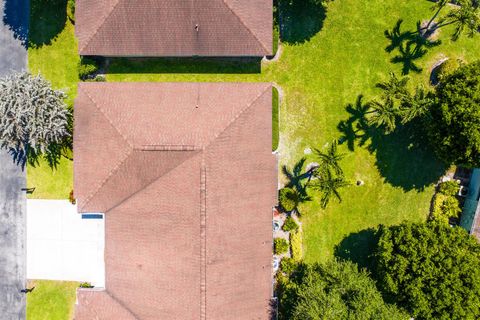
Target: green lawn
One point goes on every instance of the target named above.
(51, 300)
(328, 60)
(53, 53)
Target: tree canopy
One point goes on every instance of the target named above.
(430, 269)
(454, 125)
(35, 120)
(336, 290)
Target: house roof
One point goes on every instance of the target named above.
(174, 27)
(186, 178)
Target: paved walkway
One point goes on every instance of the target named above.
(64, 245)
(13, 56)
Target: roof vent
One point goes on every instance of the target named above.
(196, 27)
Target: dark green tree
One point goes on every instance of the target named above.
(336, 290)
(454, 123)
(430, 269)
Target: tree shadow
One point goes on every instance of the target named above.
(359, 247)
(355, 128)
(240, 65)
(296, 176)
(404, 157)
(410, 45)
(16, 17)
(47, 20)
(299, 20)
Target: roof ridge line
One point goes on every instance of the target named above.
(119, 163)
(203, 239)
(110, 174)
(99, 26)
(108, 119)
(122, 305)
(238, 115)
(248, 29)
(153, 181)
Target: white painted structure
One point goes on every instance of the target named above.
(64, 245)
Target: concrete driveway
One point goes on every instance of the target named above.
(13, 56)
(64, 245)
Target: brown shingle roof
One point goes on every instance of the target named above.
(186, 177)
(174, 27)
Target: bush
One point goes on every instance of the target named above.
(447, 68)
(449, 188)
(453, 124)
(288, 199)
(289, 224)
(335, 290)
(281, 245)
(431, 269)
(86, 68)
(296, 243)
(71, 198)
(445, 207)
(85, 285)
(288, 265)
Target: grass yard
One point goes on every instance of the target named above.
(52, 53)
(329, 59)
(51, 300)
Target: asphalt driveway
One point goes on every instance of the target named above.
(13, 35)
(13, 56)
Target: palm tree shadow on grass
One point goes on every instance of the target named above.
(300, 20)
(403, 157)
(296, 176)
(410, 45)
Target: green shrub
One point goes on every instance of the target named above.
(447, 68)
(289, 224)
(86, 68)
(281, 245)
(288, 199)
(445, 207)
(296, 244)
(449, 188)
(288, 265)
(275, 115)
(85, 285)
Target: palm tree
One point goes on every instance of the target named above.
(466, 16)
(384, 114)
(439, 5)
(416, 105)
(328, 184)
(394, 87)
(331, 158)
